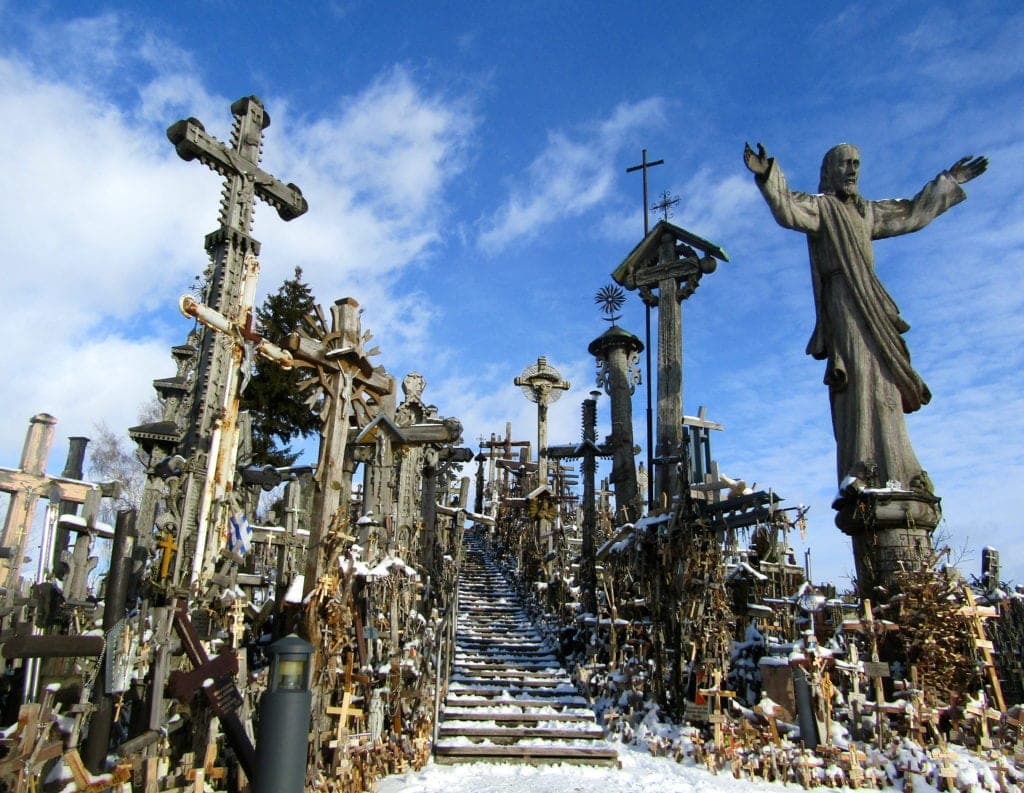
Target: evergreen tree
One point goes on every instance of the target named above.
(272, 397)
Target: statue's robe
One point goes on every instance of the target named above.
(858, 326)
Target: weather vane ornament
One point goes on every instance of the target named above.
(611, 299)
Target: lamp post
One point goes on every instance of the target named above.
(282, 740)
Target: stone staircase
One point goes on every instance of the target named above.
(509, 699)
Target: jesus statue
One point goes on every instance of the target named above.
(858, 330)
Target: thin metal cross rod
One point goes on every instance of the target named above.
(643, 166)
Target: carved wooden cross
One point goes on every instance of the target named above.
(672, 261)
(350, 387)
(212, 425)
(874, 669)
(500, 448)
(589, 451)
(33, 743)
(975, 615)
(239, 164)
(344, 713)
(26, 485)
(854, 759)
(222, 694)
(715, 715)
(168, 546)
(220, 469)
(947, 771)
(349, 676)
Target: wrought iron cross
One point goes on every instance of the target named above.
(667, 202)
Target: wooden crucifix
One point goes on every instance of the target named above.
(666, 267)
(214, 508)
(228, 247)
(347, 389)
(26, 485)
(875, 669)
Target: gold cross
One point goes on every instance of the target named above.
(169, 547)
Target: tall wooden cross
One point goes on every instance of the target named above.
(666, 267)
(348, 389)
(500, 448)
(589, 451)
(210, 423)
(214, 508)
(542, 384)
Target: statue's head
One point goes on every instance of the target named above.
(840, 169)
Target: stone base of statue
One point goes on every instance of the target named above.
(891, 531)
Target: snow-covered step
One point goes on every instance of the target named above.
(509, 699)
(495, 702)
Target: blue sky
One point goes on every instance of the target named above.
(465, 169)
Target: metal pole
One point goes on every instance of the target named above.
(650, 376)
(644, 165)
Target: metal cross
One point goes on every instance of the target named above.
(644, 165)
(667, 201)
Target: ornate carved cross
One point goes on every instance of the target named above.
(209, 425)
(347, 387)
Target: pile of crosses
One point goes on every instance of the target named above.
(692, 626)
(702, 618)
(148, 675)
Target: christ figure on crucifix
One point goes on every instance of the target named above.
(858, 327)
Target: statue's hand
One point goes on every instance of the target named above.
(967, 168)
(757, 163)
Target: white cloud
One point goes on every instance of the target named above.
(90, 245)
(572, 175)
(104, 225)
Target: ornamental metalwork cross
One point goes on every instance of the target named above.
(667, 202)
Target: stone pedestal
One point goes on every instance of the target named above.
(891, 531)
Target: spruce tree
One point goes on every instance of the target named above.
(272, 398)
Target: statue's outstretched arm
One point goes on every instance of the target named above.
(967, 168)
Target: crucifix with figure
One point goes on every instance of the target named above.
(348, 389)
(208, 419)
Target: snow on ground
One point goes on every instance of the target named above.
(640, 772)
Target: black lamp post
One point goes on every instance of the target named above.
(282, 740)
